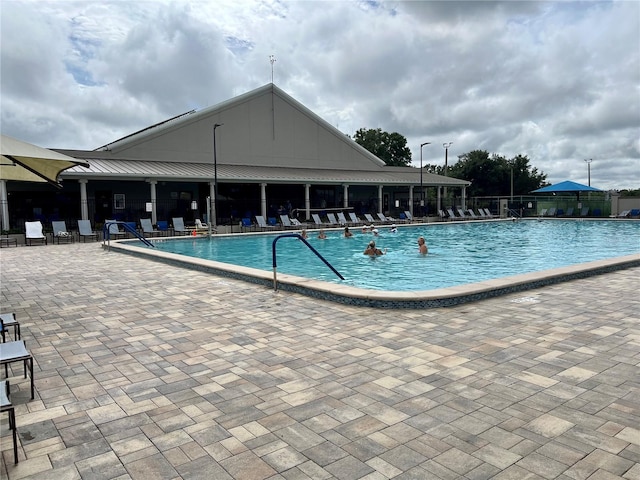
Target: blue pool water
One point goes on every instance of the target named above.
(458, 253)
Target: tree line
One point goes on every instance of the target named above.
(490, 174)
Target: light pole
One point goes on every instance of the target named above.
(446, 161)
(421, 190)
(214, 213)
(589, 168)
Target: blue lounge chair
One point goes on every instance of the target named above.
(85, 230)
(60, 232)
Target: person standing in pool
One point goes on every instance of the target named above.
(322, 235)
(347, 233)
(373, 251)
(422, 246)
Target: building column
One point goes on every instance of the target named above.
(439, 202)
(84, 203)
(345, 195)
(263, 200)
(4, 211)
(307, 201)
(464, 198)
(152, 188)
(379, 198)
(411, 200)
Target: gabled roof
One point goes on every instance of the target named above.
(265, 135)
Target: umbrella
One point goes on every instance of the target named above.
(567, 187)
(26, 162)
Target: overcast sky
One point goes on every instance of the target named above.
(556, 81)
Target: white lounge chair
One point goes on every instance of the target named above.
(369, 218)
(33, 231)
(332, 219)
(316, 219)
(407, 214)
(342, 219)
(354, 219)
(262, 223)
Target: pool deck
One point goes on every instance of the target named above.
(145, 370)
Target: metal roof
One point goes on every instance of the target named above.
(105, 169)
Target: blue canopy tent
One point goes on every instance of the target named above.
(567, 187)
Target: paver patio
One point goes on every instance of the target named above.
(145, 371)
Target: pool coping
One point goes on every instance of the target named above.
(441, 297)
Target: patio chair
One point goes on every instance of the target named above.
(569, 212)
(60, 232)
(472, 214)
(584, 211)
(635, 213)
(262, 223)
(332, 219)
(551, 212)
(452, 216)
(286, 222)
(488, 213)
(7, 406)
(163, 226)
(354, 218)
(623, 214)
(178, 226)
(246, 223)
(11, 352)
(147, 228)
(342, 219)
(33, 231)
(317, 220)
(7, 321)
(114, 229)
(85, 230)
(407, 214)
(383, 218)
(369, 218)
(201, 226)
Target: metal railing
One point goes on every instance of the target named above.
(106, 234)
(299, 237)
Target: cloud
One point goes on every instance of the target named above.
(557, 81)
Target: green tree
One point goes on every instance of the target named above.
(389, 147)
(490, 174)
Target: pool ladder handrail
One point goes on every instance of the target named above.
(107, 236)
(299, 237)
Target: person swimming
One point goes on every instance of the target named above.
(394, 229)
(373, 251)
(347, 233)
(322, 235)
(422, 246)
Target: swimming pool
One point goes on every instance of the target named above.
(479, 253)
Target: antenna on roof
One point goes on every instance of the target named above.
(272, 59)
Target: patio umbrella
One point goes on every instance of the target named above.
(26, 162)
(567, 187)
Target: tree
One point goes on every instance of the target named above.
(389, 147)
(491, 174)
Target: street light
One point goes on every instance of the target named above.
(446, 161)
(214, 214)
(421, 190)
(589, 168)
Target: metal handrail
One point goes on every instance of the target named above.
(107, 236)
(299, 237)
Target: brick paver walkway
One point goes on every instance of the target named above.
(147, 371)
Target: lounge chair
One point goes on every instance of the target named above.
(7, 321)
(316, 219)
(332, 219)
(13, 352)
(472, 214)
(551, 212)
(634, 213)
(342, 219)
(584, 211)
(147, 228)
(463, 215)
(33, 231)
(262, 223)
(202, 226)
(272, 222)
(60, 232)
(286, 222)
(354, 219)
(163, 226)
(488, 213)
(384, 219)
(85, 230)
(178, 226)
(623, 214)
(369, 218)
(452, 216)
(7, 406)
(569, 212)
(543, 212)
(114, 229)
(442, 214)
(407, 213)
(246, 223)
